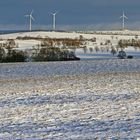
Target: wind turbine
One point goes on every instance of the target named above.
(54, 20)
(123, 20)
(30, 20)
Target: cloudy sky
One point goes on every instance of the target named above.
(73, 14)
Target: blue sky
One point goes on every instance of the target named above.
(73, 14)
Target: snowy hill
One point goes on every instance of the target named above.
(88, 35)
(101, 38)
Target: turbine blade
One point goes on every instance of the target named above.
(125, 17)
(26, 15)
(31, 12)
(32, 18)
(55, 13)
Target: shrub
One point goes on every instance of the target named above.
(2, 54)
(91, 50)
(14, 56)
(54, 54)
(129, 56)
(85, 49)
(113, 51)
(97, 49)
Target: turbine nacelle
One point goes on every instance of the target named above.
(54, 13)
(123, 16)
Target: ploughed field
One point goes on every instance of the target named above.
(81, 100)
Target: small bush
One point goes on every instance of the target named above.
(14, 56)
(54, 54)
(129, 56)
(2, 54)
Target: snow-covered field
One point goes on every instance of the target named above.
(81, 100)
(97, 98)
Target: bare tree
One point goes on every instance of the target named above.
(91, 49)
(113, 50)
(85, 49)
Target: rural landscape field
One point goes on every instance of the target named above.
(96, 97)
(69, 70)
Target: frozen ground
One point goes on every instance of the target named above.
(82, 100)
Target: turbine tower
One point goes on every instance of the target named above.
(123, 20)
(30, 20)
(54, 20)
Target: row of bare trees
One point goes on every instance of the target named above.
(53, 42)
(102, 49)
(53, 49)
(43, 53)
(130, 42)
(61, 42)
(10, 43)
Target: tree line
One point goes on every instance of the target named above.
(46, 51)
